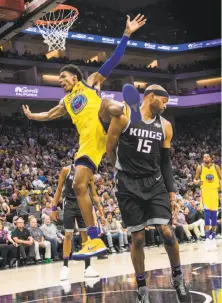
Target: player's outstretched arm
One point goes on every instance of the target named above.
(114, 60)
(54, 113)
(117, 125)
(62, 176)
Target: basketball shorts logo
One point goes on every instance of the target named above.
(210, 178)
(78, 103)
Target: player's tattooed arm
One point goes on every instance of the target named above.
(54, 113)
(117, 125)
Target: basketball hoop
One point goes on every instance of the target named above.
(55, 25)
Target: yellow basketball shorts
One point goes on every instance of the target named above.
(210, 198)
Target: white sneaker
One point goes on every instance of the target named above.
(207, 244)
(64, 273)
(218, 237)
(213, 245)
(66, 285)
(91, 282)
(90, 273)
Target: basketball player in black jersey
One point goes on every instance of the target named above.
(71, 213)
(141, 153)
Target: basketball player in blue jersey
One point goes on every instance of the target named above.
(145, 191)
(71, 214)
(82, 103)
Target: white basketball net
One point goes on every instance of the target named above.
(54, 27)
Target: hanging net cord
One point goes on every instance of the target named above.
(55, 27)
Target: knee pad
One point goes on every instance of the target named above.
(168, 236)
(213, 218)
(207, 214)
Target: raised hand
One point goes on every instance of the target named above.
(27, 111)
(135, 24)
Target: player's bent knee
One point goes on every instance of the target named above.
(138, 239)
(168, 235)
(79, 187)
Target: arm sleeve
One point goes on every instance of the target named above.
(114, 60)
(166, 169)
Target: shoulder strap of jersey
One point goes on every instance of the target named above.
(70, 170)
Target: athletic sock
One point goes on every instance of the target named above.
(141, 280)
(65, 261)
(92, 232)
(213, 234)
(87, 263)
(207, 234)
(176, 270)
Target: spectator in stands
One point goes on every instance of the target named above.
(8, 248)
(112, 231)
(52, 235)
(105, 210)
(33, 199)
(47, 210)
(4, 209)
(191, 220)
(111, 205)
(39, 241)
(179, 220)
(37, 183)
(22, 237)
(15, 205)
(117, 214)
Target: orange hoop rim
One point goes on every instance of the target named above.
(57, 8)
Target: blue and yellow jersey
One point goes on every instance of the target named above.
(83, 105)
(209, 177)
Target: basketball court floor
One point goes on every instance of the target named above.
(202, 272)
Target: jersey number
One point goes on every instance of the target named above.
(144, 146)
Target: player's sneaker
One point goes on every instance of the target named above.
(92, 248)
(218, 237)
(66, 285)
(132, 97)
(143, 299)
(182, 292)
(90, 273)
(64, 273)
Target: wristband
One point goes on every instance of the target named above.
(54, 208)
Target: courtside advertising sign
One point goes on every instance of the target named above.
(33, 92)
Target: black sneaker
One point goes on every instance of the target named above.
(182, 292)
(143, 299)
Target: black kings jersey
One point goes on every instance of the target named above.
(139, 148)
(68, 191)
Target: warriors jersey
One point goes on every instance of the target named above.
(139, 148)
(209, 177)
(83, 105)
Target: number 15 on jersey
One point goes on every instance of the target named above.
(144, 146)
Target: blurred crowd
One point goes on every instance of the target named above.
(168, 22)
(31, 157)
(197, 65)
